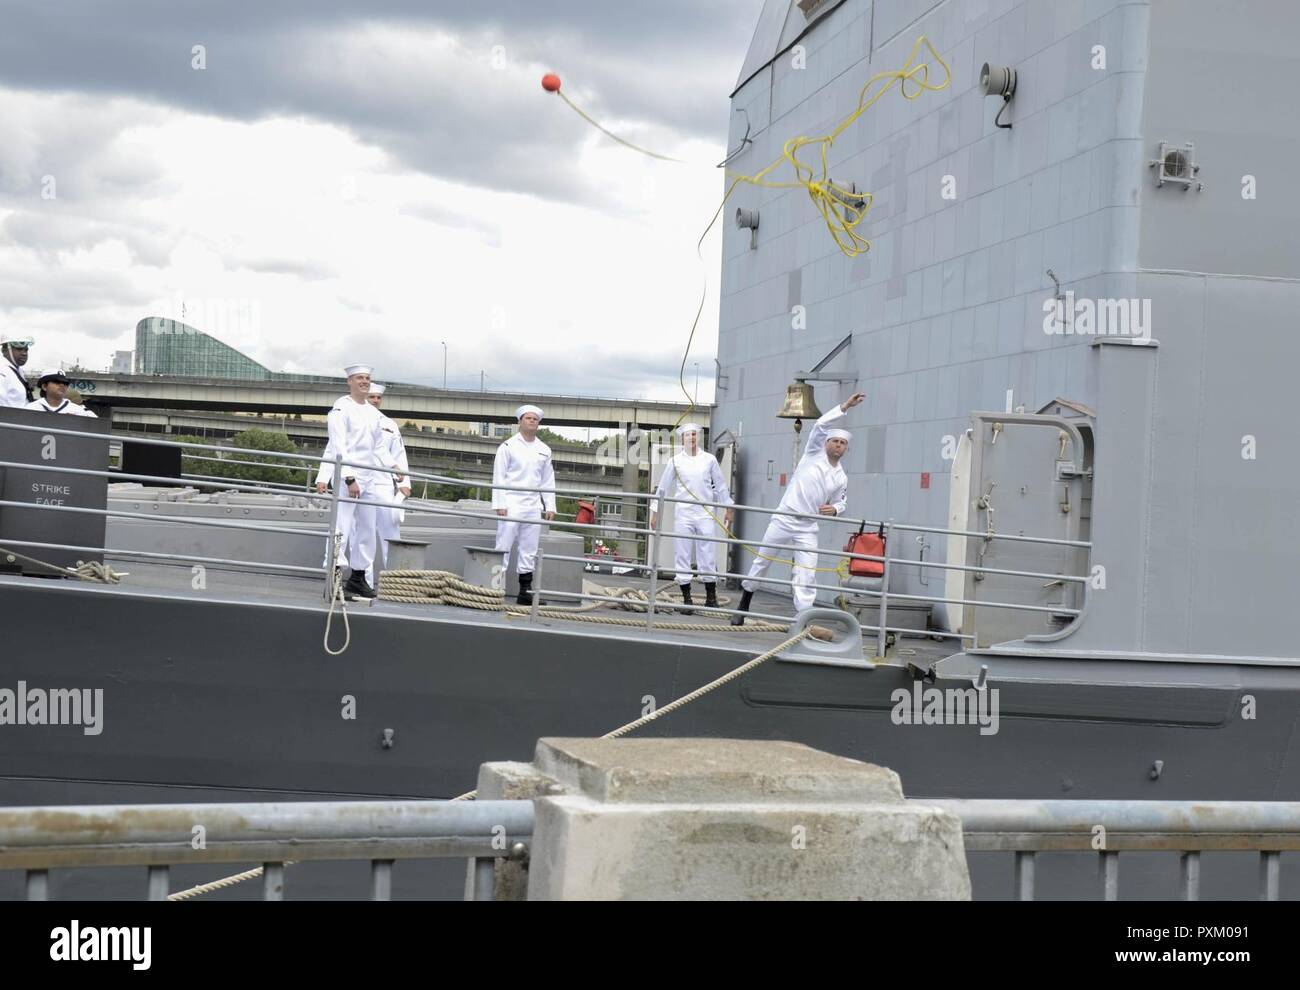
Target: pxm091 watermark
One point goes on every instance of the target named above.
(56, 706)
(946, 706)
(1084, 316)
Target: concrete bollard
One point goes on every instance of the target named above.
(722, 819)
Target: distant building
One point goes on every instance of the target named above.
(165, 346)
(169, 347)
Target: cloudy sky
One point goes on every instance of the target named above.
(333, 180)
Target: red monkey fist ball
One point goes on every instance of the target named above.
(551, 82)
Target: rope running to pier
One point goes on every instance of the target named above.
(230, 881)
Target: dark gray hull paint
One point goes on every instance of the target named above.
(220, 700)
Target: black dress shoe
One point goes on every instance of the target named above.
(357, 587)
(745, 599)
(686, 599)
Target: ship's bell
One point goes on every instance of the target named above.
(799, 403)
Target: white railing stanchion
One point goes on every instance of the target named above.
(536, 596)
(331, 542)
(881, 623)
(653, 562)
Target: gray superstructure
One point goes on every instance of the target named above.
(1195, 486)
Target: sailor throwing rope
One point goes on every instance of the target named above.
(819, 487)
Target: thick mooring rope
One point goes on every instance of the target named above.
(445, 588)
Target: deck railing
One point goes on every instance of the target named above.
(329, 505)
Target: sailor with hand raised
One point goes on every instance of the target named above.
(819, 486)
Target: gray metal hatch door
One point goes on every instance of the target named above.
(1028, 478)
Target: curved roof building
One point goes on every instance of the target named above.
(169, 347)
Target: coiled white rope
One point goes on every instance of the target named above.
(86, 570)
(336, 598)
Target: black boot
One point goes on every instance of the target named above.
(745, 599)
(525, 589)
(686, 598)
(710, 594)
(357, 587)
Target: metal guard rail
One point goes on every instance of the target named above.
(158, 836)
(651, 535)
(1188, 828)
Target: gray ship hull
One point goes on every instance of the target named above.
(217, 699)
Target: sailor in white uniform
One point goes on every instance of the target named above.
(54, 396)
(523, 461)
(694, 474)
(356, 433)
(15, 390)
(819, 486)
(395, 488)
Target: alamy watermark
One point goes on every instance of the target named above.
(56, 706)
(1085, 316)
(636, 446)
(946, 706)
(91, 944)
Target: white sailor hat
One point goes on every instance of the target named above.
(844, 435)
(16, 341)
(686, 428)
(358, 369)
(526, 408)
(377, 389)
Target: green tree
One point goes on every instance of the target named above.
(268, 468)
(550, 437)
(453, 493)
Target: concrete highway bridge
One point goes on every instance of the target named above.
(469, 456)
(121, 391)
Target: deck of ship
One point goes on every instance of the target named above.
(261, 588)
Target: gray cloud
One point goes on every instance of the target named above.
(52, 227)
(63, 289)
(442, 216)
(412, 78)
(71, 141)
(417, 358)
(297, 267)
(445, 111)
